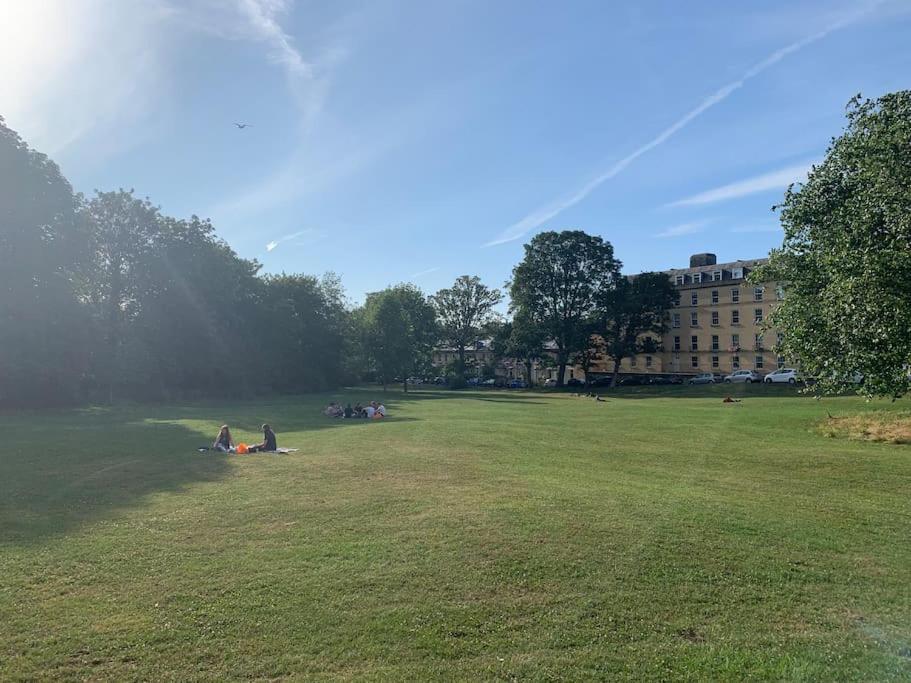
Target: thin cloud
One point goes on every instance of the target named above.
(543, 214)
(422, 273)
(682, 229)
(287, 238)
(774, 180)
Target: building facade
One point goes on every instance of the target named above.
(719, 324)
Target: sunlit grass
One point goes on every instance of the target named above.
(656, 535)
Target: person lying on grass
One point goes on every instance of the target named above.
(224, 442)
(269, 442)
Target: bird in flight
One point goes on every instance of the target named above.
(241, 126)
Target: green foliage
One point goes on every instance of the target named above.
(845, 264)
(399, 329)
(463, 312)
(631, 310)
(111, 299)
(558, 285)
(45, 341)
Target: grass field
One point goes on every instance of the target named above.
(497, 536)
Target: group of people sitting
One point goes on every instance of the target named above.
(224, 442)
(372, 411)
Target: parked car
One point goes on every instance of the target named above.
(439, 380)
(661, 381)
(574, 382)
(744, 376)
(473, 381)
(788, 375)
(603, 381)
(633, 381)
(517, 384)
(550, 382)
(488, 382)
(703, 378)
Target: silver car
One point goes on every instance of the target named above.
(746, 376)
(704, 378)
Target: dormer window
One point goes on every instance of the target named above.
(697, 278)
(716, 275)
(737, 273)
(680, 279)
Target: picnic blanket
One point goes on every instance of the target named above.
(283, 451)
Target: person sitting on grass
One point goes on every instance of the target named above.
(224, 442)
(381, 410)
(269, 442)
(370, 410)
(358, 410)
(728, 399)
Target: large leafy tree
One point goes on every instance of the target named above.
(845, 263)
(399, 328)
(558, 285)
(463, 312)
(630, 312)
(44, 334)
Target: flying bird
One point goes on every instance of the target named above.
(241, 126)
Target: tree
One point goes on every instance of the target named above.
(519, 341)
(845, 262)
(632, 309)
(558, 284)
(463, 311)
(45, 337)
(399, 327)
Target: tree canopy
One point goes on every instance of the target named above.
(557, 287)
(845, 262)
(463, 312)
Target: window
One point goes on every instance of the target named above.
(735, 296)
(648, 361)
(694, 299)
(735, 362)
(716, 276)
(632, 362)
(780, 362)
(737, 273)
(779, 292)
(715, 362)
(757, 342)
(694, 343)
(676, 319)
(714, 342)
(694, 319)
(757, 314)
(714, 296)
(697, 278)
(714, 317)
(780, 338)
(694, 361)
(758, 363)
(680, 279)
(735, 342)
(570, 373)
(757, 293)
(735, 317)
(676, 343)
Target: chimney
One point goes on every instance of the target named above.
(700, 260)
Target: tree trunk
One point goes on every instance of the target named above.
(561, 367)
(528, 365)
(404, 383)
(462, 362)
(613, 381)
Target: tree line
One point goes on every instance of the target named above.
(106, 298)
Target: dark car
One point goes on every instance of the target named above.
(633, 381)
(661, 380)
(601, 382)
(573, 382)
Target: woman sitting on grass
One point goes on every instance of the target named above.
(224, 442)
(269, 442)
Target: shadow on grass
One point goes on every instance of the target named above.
(62, 470)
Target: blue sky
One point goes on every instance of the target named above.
(416, 141)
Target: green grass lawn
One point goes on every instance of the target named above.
(492, 535)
